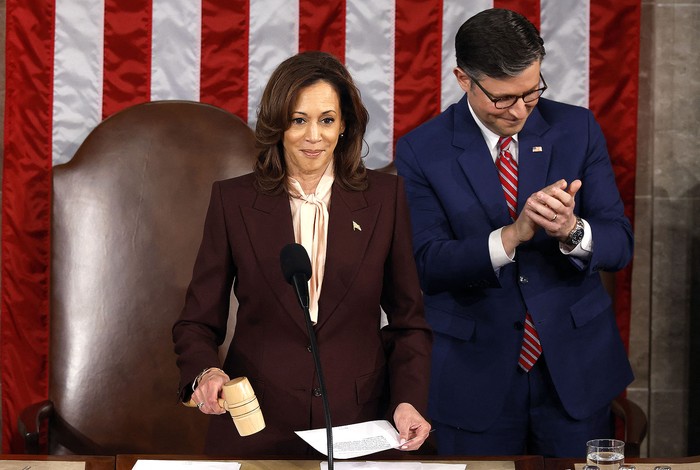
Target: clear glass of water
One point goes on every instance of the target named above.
(606, 454)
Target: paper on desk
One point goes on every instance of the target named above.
(393, 466)
(354, 440)
(185, 465)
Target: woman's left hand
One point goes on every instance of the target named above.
(413, 428)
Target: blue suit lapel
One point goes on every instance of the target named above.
(534, 155)
(478, 166)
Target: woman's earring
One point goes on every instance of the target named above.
(342, 135)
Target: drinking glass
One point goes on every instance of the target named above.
(606, 454)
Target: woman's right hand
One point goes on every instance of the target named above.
(209, 386)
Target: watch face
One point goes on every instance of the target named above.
(576, 234)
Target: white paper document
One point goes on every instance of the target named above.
(185, 465)
(354, 440)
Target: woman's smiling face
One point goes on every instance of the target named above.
(315, 127)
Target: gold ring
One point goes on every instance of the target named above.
(555, 217)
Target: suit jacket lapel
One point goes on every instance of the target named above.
(350, 228)
(478, 166)
(534, 155)
(269, 226)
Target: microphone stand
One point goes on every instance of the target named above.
(319, 373)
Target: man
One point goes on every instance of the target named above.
(515, 210)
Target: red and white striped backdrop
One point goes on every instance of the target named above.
(71, 63)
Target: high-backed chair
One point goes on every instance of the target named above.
(630, 421)
(128, 213)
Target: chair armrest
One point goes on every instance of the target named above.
(45, 432)
(635, 424)
(29, 424)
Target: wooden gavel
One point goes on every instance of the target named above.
(240, 401)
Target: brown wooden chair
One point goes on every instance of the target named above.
(630, 419)
(631, 425)
(128, 212)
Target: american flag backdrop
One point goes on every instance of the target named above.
(72, 63)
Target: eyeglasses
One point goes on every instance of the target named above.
(506, 102)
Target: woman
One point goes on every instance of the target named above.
(309, 186)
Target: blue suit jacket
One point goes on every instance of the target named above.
(456, 201)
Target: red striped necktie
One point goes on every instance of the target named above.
(508, 174)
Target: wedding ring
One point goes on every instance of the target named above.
(200, 405)
(555, 217)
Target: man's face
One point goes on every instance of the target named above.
(504, 122)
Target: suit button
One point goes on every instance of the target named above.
(518, 325)
(316, 392)
(523, 280)
(308, 348)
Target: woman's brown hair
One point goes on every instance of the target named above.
(274, 118)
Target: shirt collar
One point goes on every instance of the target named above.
(323, 189)
(490, 137)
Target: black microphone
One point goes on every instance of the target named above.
(296, 268)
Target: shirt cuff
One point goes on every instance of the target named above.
(499, 257)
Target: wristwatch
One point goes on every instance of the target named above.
(576, 234)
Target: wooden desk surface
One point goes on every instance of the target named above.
(91, 462)
(528, 462)
(681, 463)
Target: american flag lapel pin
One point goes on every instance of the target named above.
(356, 226)
(536, 149)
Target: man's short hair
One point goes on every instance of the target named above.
(497, 43)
